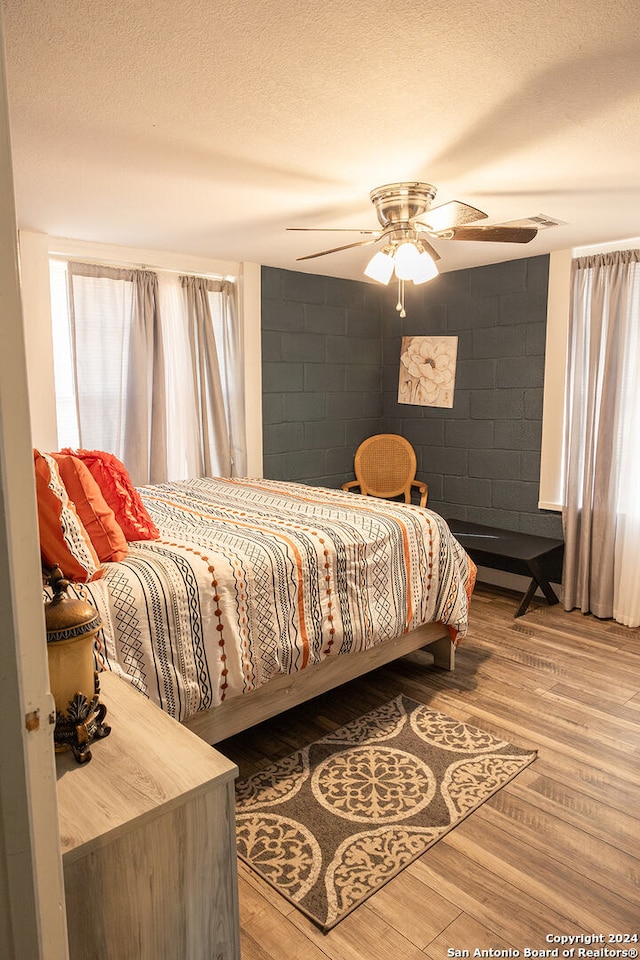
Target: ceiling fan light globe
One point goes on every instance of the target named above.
(380, 267)
(425, 269)
(407, 260)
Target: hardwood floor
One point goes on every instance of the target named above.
(556, 852)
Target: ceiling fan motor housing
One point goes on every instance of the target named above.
(401, 202)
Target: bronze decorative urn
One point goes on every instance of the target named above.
(72, 625)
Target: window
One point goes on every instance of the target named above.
(115, 369)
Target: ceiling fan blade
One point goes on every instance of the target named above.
(347, 246)
(334, 230)
(496, 233)
(451, 214)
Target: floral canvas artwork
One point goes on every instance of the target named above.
(428, 371)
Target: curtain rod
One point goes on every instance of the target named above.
(108, 262)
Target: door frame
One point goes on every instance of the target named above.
(32, 907)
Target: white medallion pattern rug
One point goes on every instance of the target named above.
(330, 824)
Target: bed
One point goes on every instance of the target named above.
(260, 594)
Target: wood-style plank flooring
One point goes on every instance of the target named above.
(556, 852)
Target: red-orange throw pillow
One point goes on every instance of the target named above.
(116, 488)
(95, 513)
(63, 538)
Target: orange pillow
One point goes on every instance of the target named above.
(116, 488)
(95, 513)
(63, 538)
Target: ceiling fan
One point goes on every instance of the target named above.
(408, 224)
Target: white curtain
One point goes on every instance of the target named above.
(602, 442)
(205, 395)
(118, 364)
(183, 455)
(157, 367)
(101, 309)
(145, 436)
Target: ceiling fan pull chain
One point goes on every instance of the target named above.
(400, 303)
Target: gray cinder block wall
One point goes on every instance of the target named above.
(481, 458)
(331, 354)
(321, 374)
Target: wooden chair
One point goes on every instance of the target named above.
(385, 466)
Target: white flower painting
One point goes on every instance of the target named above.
(428, 371)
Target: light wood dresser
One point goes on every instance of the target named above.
(148, 840)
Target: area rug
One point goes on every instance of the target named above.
(330, 824)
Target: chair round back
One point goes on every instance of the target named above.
(385, 465)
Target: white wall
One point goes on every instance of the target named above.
(34, 273)
(550, 494)
(35, 249)
(250, 307)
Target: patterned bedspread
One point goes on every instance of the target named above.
(255, 578)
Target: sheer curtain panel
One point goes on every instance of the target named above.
(118, 366)
(601, 515)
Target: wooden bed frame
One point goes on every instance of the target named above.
(283, 692)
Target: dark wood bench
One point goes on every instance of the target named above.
(522, 553)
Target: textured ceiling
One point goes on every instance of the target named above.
(208, 128)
